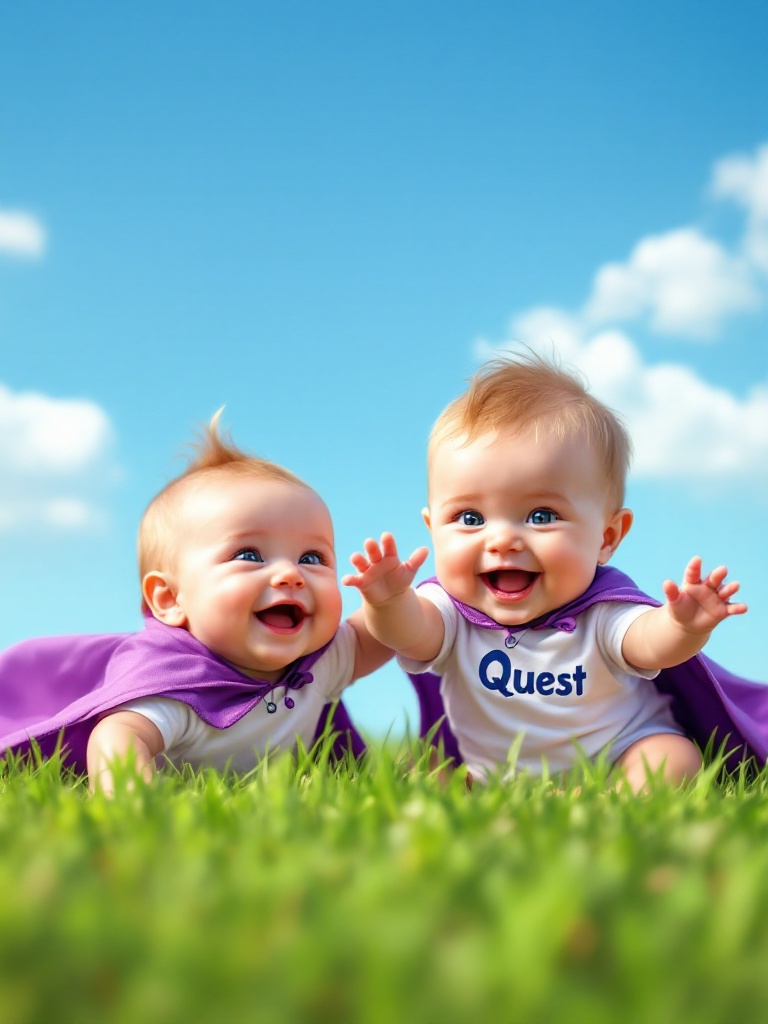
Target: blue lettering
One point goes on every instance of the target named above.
(499, 682)
(579, 675)
(545, 682)
(496, 671)
(564, 685)
(517, 682)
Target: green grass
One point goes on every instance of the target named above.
(373, 892)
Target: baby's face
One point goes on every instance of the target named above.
(518, 522)
(256, 573)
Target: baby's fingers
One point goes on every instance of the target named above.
(736, 609)
(716, 577)
(359, 561)
(388, 546)
(692, 572)
(694, 577)
(373, 551)
(726, 592)
(417, 559)
(714, 581)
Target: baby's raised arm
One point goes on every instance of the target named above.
(394, 613)
(671, 634)
(370, 653)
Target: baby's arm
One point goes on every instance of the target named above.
(393, 611)
(113, 737)
(671, 634)
(370, 654)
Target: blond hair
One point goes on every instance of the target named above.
(526, 391)
(213, 459)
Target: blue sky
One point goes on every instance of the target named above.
(326, 216)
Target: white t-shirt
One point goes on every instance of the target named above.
(558, 689)
(188, 739)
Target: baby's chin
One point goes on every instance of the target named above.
(267, 669)
(261, 671)
(510, 617)
(504, 611)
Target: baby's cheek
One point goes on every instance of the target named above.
(330, 605)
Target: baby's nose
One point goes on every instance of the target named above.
(504, 536)
(287, 574)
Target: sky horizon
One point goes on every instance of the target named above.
(325, 219)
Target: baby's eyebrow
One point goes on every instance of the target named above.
(241, 535)
(548, 496)
(317, 538)
(462, 499)
(307, 540)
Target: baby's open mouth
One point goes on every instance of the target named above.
(509, 581)
(282, 616)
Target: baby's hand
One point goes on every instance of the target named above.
(699, 604)
(381, 574)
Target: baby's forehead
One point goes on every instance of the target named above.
(454, 443)
(222, 481)
(457, 446)
(242, 494)
(500, 458)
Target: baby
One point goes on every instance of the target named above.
(526, 490)
(243, 646)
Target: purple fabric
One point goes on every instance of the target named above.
(707, 699)
(51, 684)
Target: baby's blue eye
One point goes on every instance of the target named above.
(470, 518)
(248, 555)
(542, 517)
(311, 558)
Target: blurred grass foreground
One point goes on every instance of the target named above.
(373, 892)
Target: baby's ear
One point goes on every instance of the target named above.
(427, 520)
(160, 594)
(615, 531)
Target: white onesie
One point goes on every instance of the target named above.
(188, 739)
(558, 689)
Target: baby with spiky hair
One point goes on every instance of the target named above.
(243, 646)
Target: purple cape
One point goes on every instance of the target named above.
(50, 684)
(708, 701)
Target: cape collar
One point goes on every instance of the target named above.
(295, 676)
(608, 584)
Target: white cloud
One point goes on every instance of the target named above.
(55, 461)
(684, 282)
(39, 434)
(744, 179)
(21, 234)
(683, 427)
(69, 513)
(62, 514)
(686, 428)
